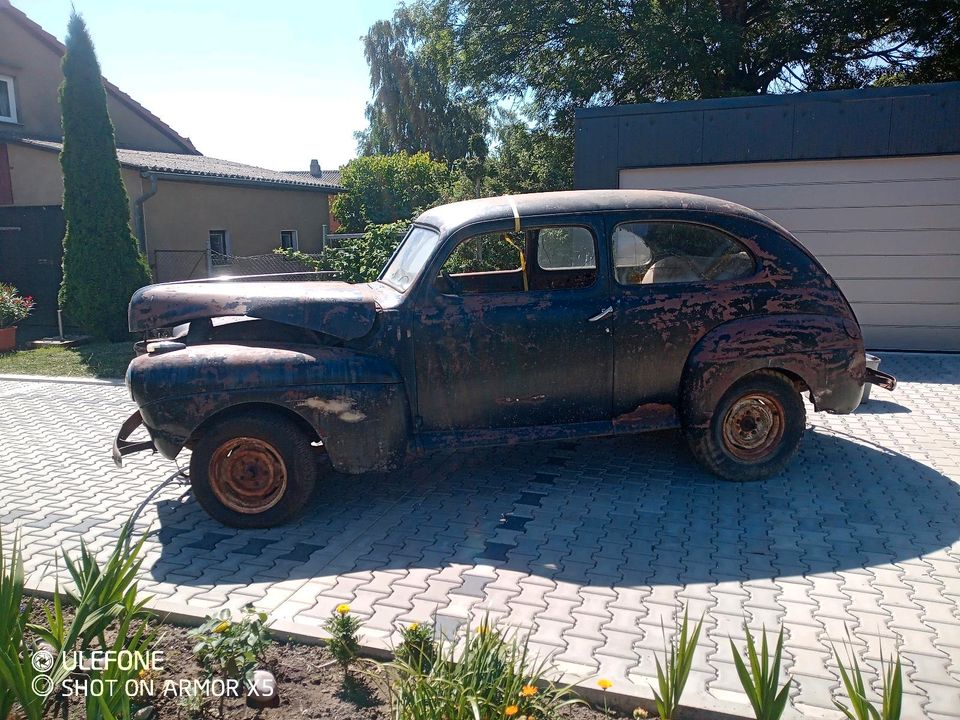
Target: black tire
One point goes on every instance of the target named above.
(253, 470)
(731, 448)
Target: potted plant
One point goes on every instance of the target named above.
(13, 308)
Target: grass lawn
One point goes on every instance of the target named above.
(99, 360)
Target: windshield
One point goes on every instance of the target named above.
(415, 251)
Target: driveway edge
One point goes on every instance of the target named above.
(14, 377)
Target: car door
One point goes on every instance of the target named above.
(504, 341)
(675, 278)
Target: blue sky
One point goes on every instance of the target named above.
(271, 83)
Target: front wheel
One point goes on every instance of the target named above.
(253, 470)
(755, 429)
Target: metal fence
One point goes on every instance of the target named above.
(171, 265)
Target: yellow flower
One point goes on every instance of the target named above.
(528, 690)
(222, 626)
(482, 630)
(413, 626)
(511, 710)
(604, 684)
(343, 609)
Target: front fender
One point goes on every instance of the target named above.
(824, 351)
(355, 403)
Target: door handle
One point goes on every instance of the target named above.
(605, 313)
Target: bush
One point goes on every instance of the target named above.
(358, 260)
(13, 306)
(102, 264)
(231, 649)
(344, 642)
(384, 189)
(493, 677)
(106, 604)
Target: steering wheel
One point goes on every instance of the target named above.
(454, 286)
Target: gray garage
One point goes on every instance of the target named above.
(868, 180)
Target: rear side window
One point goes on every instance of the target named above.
(566, 248)
(676, 252)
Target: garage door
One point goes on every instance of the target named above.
(887, 229)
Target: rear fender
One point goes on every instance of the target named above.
(819, 350)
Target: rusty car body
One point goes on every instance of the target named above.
(626, 311)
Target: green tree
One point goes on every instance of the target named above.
(382, 189)
(102, 265)
(566, 55)
(416, 106)
(530, 160)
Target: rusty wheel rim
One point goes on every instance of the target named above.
(753, 427)
(248, 475)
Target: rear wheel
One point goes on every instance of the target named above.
(755, 429)
(253, 470)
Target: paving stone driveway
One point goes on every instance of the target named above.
(588, 545)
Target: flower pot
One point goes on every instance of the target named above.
(8, 339)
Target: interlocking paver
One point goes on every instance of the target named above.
(593, 547)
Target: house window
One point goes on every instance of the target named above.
(219, 248)
(289, 240)
(8, 102)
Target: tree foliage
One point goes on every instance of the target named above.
(380, 189)
(569, 55)
(416, 105)
(443, 71)
(102, 265)
(530, 160)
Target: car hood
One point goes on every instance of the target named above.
(335, 308)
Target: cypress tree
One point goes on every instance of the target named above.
(102, 264)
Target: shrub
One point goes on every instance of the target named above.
(418, 647)
(760, 680)
(861, 708)
(672, 676)
(13, 306)
(106, 602)
(344, 642)
(358, 260)
(231, 649)
(383, 189)
(16, 669)
(102, 264)
(494, 677)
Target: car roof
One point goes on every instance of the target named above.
(453, 215)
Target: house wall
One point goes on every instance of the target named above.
(37, 181)
(35, 67)
(181, 214)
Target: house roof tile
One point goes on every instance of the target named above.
(201, 166)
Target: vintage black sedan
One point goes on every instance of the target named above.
(500, 320)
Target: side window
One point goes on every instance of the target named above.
(566, 248)
(676, 252)
(487, 263)
(566, 259)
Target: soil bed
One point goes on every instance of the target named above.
(310, 685)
